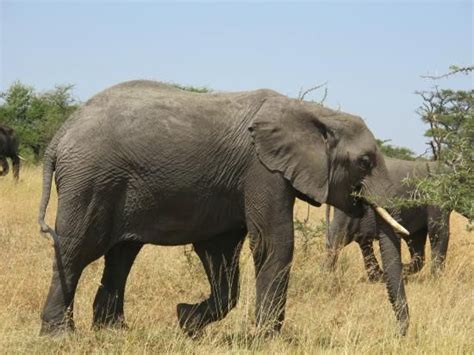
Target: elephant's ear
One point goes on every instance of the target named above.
(292, 140)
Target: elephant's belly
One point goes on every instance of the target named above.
(185, 224)
(170, 234)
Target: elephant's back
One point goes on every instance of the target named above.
(148, 110)
(146, 126)
(401, 169)
(404, 172)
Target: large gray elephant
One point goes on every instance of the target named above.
(9, 149)
(145, 162)
(419, 221)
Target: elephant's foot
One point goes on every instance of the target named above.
(57, 323)
(437, 268)
(57, 328)
(109, 321)
(436, 271)
(411, 268)
(108, 310)
(192, 318)
(268, 331)
(375, 274)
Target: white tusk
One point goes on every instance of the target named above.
(389, 219)
(21, 158)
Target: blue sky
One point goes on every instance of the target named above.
(371, 53)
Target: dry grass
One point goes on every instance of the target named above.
(339, 313)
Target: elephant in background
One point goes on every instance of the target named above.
(146, 162)
(9, 149)
(420, 221)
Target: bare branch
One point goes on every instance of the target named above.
(321, 102)
(314, 88)
(454, 70)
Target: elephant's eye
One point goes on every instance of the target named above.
(365, 163)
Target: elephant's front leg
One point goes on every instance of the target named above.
(108, 303)
(272, 267)
(220, 258)
(374, 272)
(272, 242)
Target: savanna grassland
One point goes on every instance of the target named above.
(340, 313)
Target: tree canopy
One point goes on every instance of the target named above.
(449, 115)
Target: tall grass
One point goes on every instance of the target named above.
(339, 313)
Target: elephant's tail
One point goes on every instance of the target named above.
(49, 166)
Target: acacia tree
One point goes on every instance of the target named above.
(450, 117)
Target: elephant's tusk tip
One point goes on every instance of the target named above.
(390, 220)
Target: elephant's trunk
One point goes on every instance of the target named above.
(378, 190)
(392, 267)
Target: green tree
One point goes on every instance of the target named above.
(36, 116)
(450, 117)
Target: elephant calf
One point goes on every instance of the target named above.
(419, 220)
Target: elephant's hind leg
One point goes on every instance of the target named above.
(109, 299)
(220, 258)
(438, 229)
(57, 315)
(80, 232)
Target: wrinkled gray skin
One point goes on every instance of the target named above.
(9, 149)
(144, 162)
(419, 220)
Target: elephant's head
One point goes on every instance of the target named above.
(328, 156)
(331, 157)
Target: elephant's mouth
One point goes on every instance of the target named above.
(357, 202)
